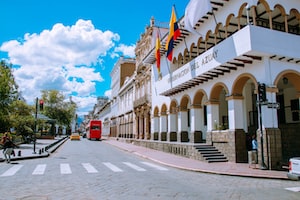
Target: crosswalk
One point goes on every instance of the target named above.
(66, 168)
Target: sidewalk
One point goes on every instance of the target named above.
(43, 148)
(224, 168)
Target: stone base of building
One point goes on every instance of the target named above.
(232, 143)
(272, 148)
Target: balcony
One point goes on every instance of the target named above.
(141, 101)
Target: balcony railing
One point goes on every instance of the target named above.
(141, 101)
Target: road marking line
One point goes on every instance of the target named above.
(112, 167)
(65, 169)
(293, 189)
(11, 171)
(89, 168)
(155, 166)
(137, 168)
(39, 170)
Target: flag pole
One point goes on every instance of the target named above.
(185, 44)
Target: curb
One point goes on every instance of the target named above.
(51, 148)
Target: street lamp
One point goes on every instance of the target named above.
(35, 124)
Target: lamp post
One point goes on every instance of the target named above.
(35, 124)
(262, 100)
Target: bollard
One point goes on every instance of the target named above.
(40, 152)
(19, 153)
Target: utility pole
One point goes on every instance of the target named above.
(262, 100)
(35, 124)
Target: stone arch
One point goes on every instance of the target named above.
(173, 106)
(240, 82)
(180, 59)
(288, 113)
(164, 109)
(186, 56)
(198, 98)
(192, 54)
(292, 76)
(209, 40)
(216, 90)
(173, 121)
(184, 102)
(155, 111)
(200, 46)
(265, 4)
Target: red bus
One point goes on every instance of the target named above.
(93, 130)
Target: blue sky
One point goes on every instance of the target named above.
(71, 46)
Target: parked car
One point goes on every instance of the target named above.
(75, 136)
(294, 169)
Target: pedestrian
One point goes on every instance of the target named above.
(253, 157)
(4, 137)
(8, 148)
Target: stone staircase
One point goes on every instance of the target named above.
(210, 154)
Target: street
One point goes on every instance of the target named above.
(96, 170)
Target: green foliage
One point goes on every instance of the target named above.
(55, 107)
(21, 118)
(8, 94)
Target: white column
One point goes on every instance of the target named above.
(196, 121)
(163, 125)
(269, 114)
(212, 116)
(182, 123)
(172, 124)
(235, 112)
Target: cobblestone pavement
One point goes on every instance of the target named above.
(26, 151)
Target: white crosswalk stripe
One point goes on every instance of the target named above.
(39, 169)
(65, 168)
(133, 166)
(112, 167)
(12, 171)
(89, 168)
(155, 166)
(293, 189)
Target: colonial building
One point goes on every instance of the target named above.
(121, 72)
(208, 93)
(104, 114)
(143, 96)
(126, 114)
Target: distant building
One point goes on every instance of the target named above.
(121, 72)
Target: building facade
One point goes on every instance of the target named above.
(120, 74)
(208, 93)
(143, 90)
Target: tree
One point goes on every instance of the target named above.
(8, 94)
(21, 118)
(56, 107)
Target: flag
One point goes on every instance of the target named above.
(157, 52)
(174, 33)
(194, 11)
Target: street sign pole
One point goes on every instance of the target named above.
(35, 124)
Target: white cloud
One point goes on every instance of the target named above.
(108, 93)
(63, 58)
(126, 50)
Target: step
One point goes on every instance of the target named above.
(212, 155)
(217, 160)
